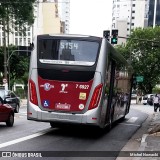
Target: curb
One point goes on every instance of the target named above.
(137, 141)
(142, 146)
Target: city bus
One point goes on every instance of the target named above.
(77, 79)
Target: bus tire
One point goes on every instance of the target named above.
(111, 120)
(52, 124)
(57, 125)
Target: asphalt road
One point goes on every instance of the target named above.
(36, 136)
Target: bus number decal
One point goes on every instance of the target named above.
(69, 45)
(82, 86)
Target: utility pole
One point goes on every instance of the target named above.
(5, 54)
(155, 11)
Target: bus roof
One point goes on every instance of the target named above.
(70, 36)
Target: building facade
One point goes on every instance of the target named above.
(151, 13)
(47, 18)
(64, 12)
(46, 21)
(133, 14)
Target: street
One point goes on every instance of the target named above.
(37, 136)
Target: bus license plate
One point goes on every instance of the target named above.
(62, 106)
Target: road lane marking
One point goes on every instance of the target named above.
(25, 138)
(129, 124)
(132, 120)
(144, 138)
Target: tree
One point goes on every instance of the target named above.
(12, 14)
(18, 64)
(144, 55)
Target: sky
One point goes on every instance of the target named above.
(90, 17)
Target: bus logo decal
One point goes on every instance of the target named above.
(46, 103)
(63, 88)
(47, 86)
(82, 96)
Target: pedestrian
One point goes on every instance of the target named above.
(140, 99)
(156, 102)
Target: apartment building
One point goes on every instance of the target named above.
(64, 12)
(127, 15)
(46, 21)
(154, 6)
(47, 18)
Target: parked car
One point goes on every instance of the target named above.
(10, 98)
(6, 114)
(148, 99)
(133, 96)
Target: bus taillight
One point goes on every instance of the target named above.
(96, 96)
(33, 93)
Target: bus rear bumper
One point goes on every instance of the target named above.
(91, 117)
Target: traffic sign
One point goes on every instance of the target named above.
(139, 78)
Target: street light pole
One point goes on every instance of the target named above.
(155, 11)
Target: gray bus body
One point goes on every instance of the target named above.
(77, 79)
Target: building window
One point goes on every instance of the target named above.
(20, 41)
(133, 11)
(133, 17)
(2, 41)
(132, 24)
(24, 41)
(16, 41)
(133, 5)
(29, 41)
(16, 33)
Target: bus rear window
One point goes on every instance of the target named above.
(69, 52)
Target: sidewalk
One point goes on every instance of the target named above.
(147, 138)
(23, 102)
(151, 140)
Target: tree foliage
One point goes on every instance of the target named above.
(18, 66)
(143, 50)
(17, 12)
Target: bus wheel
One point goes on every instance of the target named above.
(52, 124)
(110, 121)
